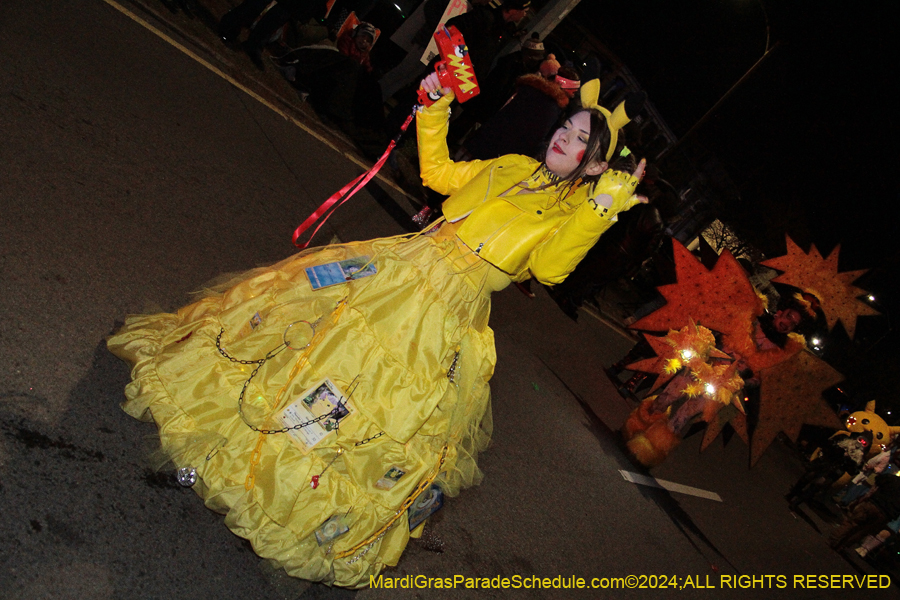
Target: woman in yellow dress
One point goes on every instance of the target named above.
(320, 420)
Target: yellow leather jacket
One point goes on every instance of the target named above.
(516, 230)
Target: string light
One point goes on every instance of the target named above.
(710, 389)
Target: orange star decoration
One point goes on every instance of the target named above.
(657, 364)
(723, 300)
(791, 396)
(688, 347)
(728, 415)
(819, 276)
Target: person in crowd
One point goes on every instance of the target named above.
(404, 345)
(876, 466)
(873, 543)
(262, 23)
(339, 82)
(487, 26)
(501, 82)
(869, 514)
(841, 455)
(524, 123)
(357, 43)
(486, 29)
(860, 484)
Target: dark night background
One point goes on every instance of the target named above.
(809, 137)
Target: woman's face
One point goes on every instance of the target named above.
(787, 320)
(363, 42)
(567, 147)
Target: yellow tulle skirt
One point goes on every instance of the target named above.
(409, 345)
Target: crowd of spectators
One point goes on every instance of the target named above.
(862, 487)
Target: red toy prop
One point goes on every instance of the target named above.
(455, 69)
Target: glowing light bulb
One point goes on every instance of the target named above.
(687, 354)
(816, 341)
(710, 389)
(871, 298)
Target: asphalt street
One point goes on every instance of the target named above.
(130, 174)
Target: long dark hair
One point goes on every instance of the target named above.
(598, 143)
(597, 146)
(595, 150)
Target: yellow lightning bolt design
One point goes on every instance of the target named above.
(462, 73)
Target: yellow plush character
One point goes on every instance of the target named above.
(867, 420)
(864, 420)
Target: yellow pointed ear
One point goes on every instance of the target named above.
(590, 93)
(618, 119)
(894, 429)
(870, 406)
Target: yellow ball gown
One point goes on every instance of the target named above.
(409, 346)
(412, 342)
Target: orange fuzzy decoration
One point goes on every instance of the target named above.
(688, 347)
(652, 446)
(641, 418)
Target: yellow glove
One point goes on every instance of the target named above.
(614, 192)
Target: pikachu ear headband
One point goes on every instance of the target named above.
(615, 120)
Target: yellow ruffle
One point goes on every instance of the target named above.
(396, 337)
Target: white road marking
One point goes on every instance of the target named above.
(668, 485)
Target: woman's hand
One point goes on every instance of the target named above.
(639, 174)
(639, 170)
(432, 86)
(615, 189)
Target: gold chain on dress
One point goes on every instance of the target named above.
(250, 481)
(423, 485)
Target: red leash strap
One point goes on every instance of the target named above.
(346, 192)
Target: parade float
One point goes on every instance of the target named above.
(709, 349)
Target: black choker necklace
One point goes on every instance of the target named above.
(551, 177)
